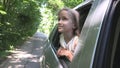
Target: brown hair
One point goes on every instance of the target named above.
(74, 15)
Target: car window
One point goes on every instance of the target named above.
(83, 11)
(54, 38)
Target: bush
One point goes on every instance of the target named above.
(19, 19)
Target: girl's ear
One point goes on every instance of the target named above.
(74, 26)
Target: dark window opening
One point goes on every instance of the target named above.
(83, 14)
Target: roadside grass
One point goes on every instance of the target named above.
(4, 54)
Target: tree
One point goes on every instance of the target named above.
(18, 20)
(72, 3)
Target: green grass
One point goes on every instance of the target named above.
(4, 54)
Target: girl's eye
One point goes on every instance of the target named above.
(64, 18)
(58, 19)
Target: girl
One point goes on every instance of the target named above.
(68, 20)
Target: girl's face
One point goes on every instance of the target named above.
(65, 24)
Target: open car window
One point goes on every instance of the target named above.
(83, 10)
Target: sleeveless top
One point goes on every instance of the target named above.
(70, 45)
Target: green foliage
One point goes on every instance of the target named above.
(48, 15)
(72, 3)
(19, 19)
(54, 5)
(46, 25)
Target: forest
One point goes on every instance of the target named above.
(20, 19)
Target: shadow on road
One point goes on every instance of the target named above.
(27, 56)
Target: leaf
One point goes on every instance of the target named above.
(2, 12)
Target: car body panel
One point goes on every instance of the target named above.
(49, 58)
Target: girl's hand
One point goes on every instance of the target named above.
(64, 52)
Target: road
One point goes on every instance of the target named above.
(27, 56)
